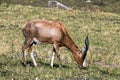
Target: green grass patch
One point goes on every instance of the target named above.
(103, 56)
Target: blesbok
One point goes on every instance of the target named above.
(51, 32)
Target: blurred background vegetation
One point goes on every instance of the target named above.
(95, 5)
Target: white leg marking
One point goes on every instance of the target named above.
(33, 59)
(24, 57)
(34, 39)
(25, 53)
(52, 59)
(53, 55)
(84, 64)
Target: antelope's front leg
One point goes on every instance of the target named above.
(59, 60)
(52, 59)
(55, 49)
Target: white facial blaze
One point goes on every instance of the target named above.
(84, 64)
(33, 59)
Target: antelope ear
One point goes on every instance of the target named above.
(82, 50)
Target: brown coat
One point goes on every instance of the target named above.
(52, 32)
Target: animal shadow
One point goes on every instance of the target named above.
(40, 63)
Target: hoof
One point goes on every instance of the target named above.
(35, 66)
(24, 64)
(60, 66)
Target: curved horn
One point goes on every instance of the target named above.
(85, 48)
(86, 44)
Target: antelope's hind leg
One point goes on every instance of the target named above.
(30, 50)
(24, 47)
